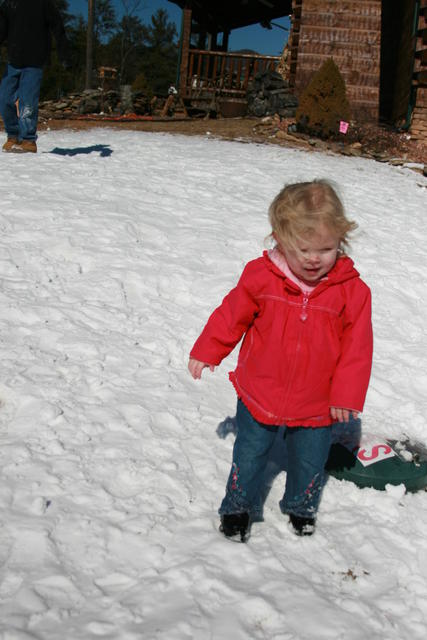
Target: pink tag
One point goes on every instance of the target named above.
(343, 126)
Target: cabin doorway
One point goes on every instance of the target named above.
(398, 33)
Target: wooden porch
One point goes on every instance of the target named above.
(222, 73)
(208, 72)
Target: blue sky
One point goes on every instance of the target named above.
(253, 37)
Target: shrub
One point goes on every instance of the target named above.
(323, 103)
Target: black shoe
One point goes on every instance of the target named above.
(233, 524)
(302, 526)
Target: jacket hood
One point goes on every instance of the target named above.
(342, 271)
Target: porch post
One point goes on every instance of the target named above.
(212, 41)
(185, 49)
(226, 36)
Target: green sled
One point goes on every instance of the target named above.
(406, 464)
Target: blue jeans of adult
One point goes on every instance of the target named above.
(21, 84)
(308, 450)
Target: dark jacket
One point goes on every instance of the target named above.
(27, 26)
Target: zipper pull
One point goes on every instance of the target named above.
(304, 315)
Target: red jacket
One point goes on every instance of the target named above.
(300, 354)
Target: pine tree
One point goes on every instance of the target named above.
(159, 63)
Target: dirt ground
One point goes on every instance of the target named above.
(381, 143)
(226, 128)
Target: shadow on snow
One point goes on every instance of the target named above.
(103, 149)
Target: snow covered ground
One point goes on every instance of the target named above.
(114, 248)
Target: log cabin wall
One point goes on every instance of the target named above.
(350, 33)
(418, 127)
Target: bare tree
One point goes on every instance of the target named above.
(101, 21)
(132, 32)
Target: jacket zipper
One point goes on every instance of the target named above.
(304, 315)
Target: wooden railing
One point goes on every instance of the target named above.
(222, 74)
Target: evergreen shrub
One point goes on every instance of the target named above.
(323, 103)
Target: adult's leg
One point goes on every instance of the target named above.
(250, 453)
(28, 94)
(8, 95)
(308, 451)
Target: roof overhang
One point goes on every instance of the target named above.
(225, 15)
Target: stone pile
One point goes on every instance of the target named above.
(269, 94)
(113, 103)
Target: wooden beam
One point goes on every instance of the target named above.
(185, 49)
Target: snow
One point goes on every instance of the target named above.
(115, 247)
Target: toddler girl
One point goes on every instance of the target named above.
(305, 360)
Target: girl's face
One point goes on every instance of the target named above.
(313, 256)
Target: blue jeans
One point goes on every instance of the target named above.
(308, 451)
(24, 85)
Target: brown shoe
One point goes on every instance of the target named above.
(7, 147)
(25, 146)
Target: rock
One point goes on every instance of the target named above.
(355, 149)
(89, 104)
(269, 94)
(292, 139)
(381, 156)
(96, 102)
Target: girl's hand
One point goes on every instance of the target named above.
(196, 367)
(343, 415)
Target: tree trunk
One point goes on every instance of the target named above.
(89, 43)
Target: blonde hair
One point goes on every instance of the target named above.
(298, 210)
